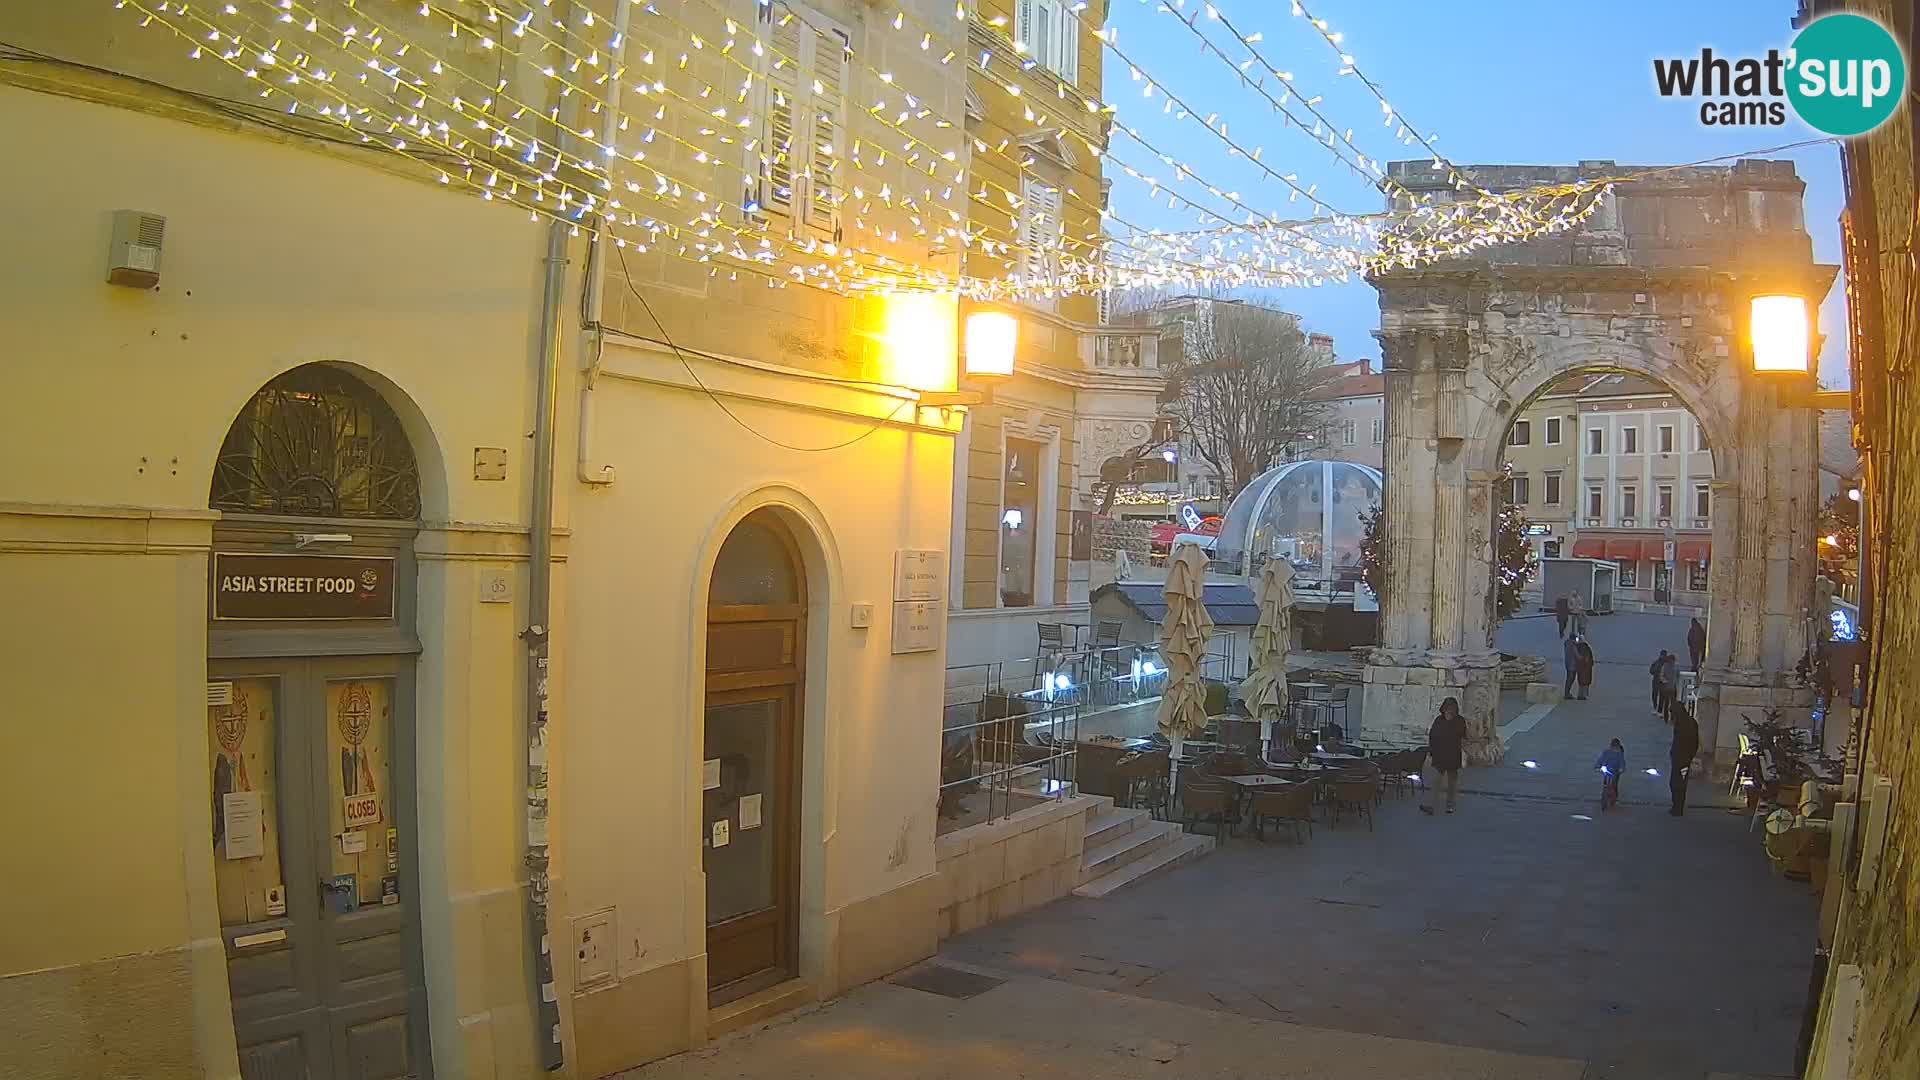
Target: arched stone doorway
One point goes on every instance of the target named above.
(1655, 283)
(752, 751)
(310, 692)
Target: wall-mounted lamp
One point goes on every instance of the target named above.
(302, 540)
(1780, 335)
(990, 341)
(1853, 493)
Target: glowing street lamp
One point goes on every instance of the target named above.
(1781, 335)
(990, 339)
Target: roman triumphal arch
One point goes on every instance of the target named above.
(1657, 282)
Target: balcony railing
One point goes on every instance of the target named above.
(1125, 350)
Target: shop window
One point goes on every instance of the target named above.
(317, 442)
(1697, 576)
(1020, 522)
(1629, 573)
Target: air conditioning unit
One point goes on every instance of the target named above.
(134, 258)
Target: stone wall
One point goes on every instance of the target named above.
(1877, 940)
(997, 870)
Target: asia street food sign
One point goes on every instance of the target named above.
(258, 586)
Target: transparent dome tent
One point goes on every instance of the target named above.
(1307, 512)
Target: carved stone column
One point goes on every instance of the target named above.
(1449, 552)
(1751, 559)
(1403, 609)
(1479, 614)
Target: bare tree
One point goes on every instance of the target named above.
(1245, 384)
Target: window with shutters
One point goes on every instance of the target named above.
(804, 75)
(1050, 31)
(1040, 233)
(1379, 431)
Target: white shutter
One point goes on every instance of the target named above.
(777, 145)
(825, 106)
(1066, 43)
(1023, 29)
(1040, 231)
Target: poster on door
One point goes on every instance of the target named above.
(359, 715)
(241, 727)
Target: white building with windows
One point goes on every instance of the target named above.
(1356, 427)
(1612, 466)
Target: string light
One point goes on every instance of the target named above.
(676, 172)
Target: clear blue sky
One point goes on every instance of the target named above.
(1497, 81)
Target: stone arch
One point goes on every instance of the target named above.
(1654, 284)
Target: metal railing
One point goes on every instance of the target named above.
(1011, 727)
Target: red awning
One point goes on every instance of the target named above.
(1693, 550)
(1653, 550)
(1589, 549)
(1623, 547)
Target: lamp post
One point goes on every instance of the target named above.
(1779, 333)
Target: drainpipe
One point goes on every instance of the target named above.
(536, 635)
(596, 281)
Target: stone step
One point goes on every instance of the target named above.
(1137, 843)
(1108, 825)
(1186, 848)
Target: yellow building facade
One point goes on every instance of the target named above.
(270, 580)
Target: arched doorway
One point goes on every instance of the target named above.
(755, 684)
(311, 731)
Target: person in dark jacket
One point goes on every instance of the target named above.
(1696, 643)
(1445, 741)
(1686, 744)
(1584, 670)
(1562, 611)
(1570, 656)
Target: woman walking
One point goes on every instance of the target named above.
(1445, 740)
(1584, 668)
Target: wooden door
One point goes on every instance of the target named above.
(750, 775)
(322, 938)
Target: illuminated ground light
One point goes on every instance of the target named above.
(1529, 764)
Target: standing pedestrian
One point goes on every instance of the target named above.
(1445, 741)
(1579, 615)
(1562, 611)
(1653, 681)
(1585, 668)
(1666, 681)
(1696, 643)
(1570, 656)
(1686, 744)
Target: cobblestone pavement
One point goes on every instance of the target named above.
(1528, 935)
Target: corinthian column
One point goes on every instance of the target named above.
(1449, 549)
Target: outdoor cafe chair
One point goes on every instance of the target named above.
(1143, 780)
(1358, 796)
(1290, 805)
(1203, 801)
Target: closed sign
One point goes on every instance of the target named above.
(360, 810)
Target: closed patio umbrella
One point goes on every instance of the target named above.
(1183, 645)
(1265, 687)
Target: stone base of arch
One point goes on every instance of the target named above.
(1401, 696)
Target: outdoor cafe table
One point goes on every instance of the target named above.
(1253, 782)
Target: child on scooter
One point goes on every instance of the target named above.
(1612, 763)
